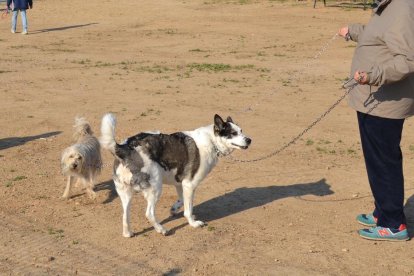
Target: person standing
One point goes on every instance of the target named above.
(19, 6)
(383, 67)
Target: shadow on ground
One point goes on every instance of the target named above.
(246, 198)
(10, 142)
(110, 186)
(409, 213)
(236, 201)
(61, 28)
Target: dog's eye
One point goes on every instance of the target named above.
(234, 133)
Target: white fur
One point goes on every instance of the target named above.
(82, 160)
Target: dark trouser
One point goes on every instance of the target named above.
(380, 139)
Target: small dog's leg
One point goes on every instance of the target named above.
(152, 196)
(179, 203)
(188, 195)
(89, 187)
(66, 193)
(125, 195)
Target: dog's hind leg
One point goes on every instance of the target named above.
(69, 183)
(125, 194)
(188, 196)
(89, 187)
(152, 196)
(179, 203)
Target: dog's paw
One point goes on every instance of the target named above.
(175, 209)
(127, 234)
(162, 230)
(197, 224)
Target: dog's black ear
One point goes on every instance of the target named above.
(229, 120)
(218, 124)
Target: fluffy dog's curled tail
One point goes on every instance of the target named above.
(108, 132)
(82, 128)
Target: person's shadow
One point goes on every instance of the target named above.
(409, 214)
(10, 142)
(61, 28)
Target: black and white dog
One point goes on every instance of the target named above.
(147, 160)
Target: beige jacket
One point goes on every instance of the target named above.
(385, 49)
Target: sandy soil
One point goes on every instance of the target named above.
(171, 65)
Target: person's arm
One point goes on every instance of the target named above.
(400, 40)
(9, 3)
(355, 30)
(31, 4)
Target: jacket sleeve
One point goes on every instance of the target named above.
(399, 40)
(30, 3)
(9, 3)
(355, 30)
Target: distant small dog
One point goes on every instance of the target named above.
(144, 161)
(82, 161)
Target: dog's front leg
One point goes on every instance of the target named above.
(188, 196)
(66, 193)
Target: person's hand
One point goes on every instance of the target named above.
(361, 77)
(343, 31)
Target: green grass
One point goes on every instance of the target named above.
(211, 228)
(309, 142)
(197, 50)
(217, 67)
(209, 67)
(20, 177)
(58, 233)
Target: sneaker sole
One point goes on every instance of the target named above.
(384, 239)
(367, 224)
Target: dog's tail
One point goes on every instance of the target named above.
(82, 128)
(108, 132)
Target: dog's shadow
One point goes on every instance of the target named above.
(236, 201)
(107, 185)
(246, 198)
(10, 142)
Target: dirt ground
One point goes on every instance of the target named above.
(170, 65)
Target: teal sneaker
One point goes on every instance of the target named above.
(367, 220)
(379, 233)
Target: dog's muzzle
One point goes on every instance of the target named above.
(248, 142)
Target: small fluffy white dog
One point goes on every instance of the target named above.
(82, 161)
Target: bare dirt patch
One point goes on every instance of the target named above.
(171, 65)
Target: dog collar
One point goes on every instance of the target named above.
(218, 152)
